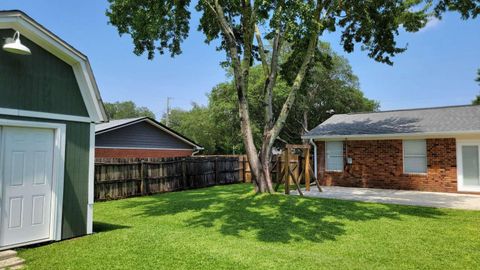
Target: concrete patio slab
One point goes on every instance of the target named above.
(392, 196)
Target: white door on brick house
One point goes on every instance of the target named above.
(468, 164)
(26, 178)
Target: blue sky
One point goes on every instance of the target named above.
(438, 68)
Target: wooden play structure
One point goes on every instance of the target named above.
(301, 169)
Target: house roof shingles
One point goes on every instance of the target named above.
(119, 123)
(402, 122)
(115, 123)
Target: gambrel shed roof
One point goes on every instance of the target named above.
(28, 27)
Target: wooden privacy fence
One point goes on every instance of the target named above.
(117, 178)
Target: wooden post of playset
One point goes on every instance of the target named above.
(306, 169)
(286, 164)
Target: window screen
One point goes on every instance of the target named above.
(334, 156)
(415, 156)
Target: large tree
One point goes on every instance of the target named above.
(163, 25)
(476, 101)
(330, 85)
(126, 109)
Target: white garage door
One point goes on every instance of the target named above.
(26, 176)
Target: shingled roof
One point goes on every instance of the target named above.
(120, 123)
(438, 121)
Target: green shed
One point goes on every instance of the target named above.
(49, 104)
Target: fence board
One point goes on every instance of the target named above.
(117, 178)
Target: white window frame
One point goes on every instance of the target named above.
(326, 157)
(404, 157)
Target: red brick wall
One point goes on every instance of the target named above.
(379, 164)
(139, 153)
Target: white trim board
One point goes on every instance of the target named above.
(58, 173)
(91, 172)
(142, 148)
(399, 136)
(42, 37)
(35, 114)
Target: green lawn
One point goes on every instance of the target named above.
(229, 227)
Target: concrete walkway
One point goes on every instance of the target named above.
(407, 197)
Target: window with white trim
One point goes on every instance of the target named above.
(334, 156)
(415, 156)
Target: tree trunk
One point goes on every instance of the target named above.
(259, 163)
(250, 149)
(265, 158)
(272, 130)
(241, 74)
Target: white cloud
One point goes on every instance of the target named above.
(433, 22)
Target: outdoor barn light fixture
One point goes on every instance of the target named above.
(13, 45)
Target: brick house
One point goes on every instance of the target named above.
(140, 137)
(430, 149)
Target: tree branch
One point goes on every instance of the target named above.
(240, 71)
(282, 140)
(226, 29)
(248, 23)
(272, 80)
(263, 55)
(271, 73)
(275, 131)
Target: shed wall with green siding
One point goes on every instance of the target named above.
(38, 82)
(42, 82)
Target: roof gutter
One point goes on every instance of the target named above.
(392, 135)
(197, 149)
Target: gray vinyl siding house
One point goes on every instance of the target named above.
(141, 137)
(49, 104)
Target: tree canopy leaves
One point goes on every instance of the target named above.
(467, 8)
(161, 26)
(153, 25)
(476, 101)
(126, 109)
(197, 125)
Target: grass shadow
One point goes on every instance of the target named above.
(235, 209)
(99, 227)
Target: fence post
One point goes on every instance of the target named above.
(184, 173)
(278, 168)
(244, 169)
(287, 169)
(240, 168)
(217, 171)
(142, 178)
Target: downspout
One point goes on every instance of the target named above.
(314, 158)
(197, 149)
